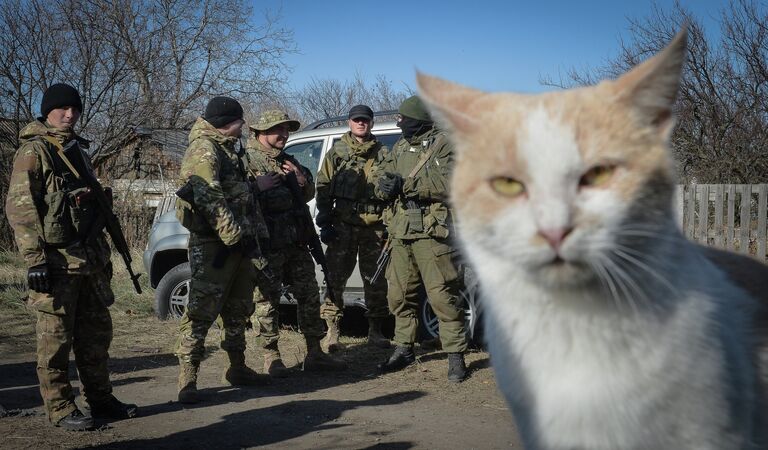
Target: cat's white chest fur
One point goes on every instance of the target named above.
(577, 378)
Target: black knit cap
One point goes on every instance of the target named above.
(221, 111)
(60, 95)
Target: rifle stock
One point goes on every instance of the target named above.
(307, 231)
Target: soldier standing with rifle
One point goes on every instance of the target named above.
(58, 212)
(216, 205)
(416, 174)
(349, 217)
(283, 195)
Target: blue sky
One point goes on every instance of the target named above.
(490, 45)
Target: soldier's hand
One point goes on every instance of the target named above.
(391, 184)
(39, 279)
(268, 181)
(291, 167)
(328, 234)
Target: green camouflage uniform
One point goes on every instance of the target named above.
(52, 229)
(222, 280)
(421, 249)
(346, 200)
(289, 262)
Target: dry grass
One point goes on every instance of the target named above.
(136, 328)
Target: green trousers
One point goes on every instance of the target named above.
(433, 263)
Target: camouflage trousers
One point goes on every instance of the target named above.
(293, 267)
(353, 244)
(74, 316)
(432, 262)
(214, 291)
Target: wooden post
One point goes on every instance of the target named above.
(719, 241)
(703, 214)
(762, 213)
(744, 218)
(730, 231)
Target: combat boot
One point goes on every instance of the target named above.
(188, 381)
(375, 336)
(273, 363)
(401, 358)
(317, 361)
(457, 370)
(238, 374)
(330, 342)
(76, 421)
(112, 408)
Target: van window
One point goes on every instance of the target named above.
(307, 153)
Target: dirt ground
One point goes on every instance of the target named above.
(359, 409)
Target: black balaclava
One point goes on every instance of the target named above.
(413, 127)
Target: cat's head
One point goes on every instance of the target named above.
(563, 184)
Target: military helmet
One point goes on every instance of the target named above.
(270, 118)
(414, 108)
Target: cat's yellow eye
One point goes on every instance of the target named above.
(508, 187)
(597, 175)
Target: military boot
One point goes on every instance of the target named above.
(188, 381)
(401, 358)
(375, 336)
(457, 370)
(76, 421)
(330, 342)
(317, 361)
(273, 363)
(112, 408)
(238, 374)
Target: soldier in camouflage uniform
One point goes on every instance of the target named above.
(415, 177)
(289, 260)
(218, 208)
(349, 217)
(60, 236)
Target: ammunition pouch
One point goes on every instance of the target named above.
(70, 216)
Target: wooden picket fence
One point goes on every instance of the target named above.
(728, 216)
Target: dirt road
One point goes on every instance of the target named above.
(416, 408)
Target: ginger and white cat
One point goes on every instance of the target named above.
(607, 329)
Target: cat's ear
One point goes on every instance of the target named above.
(651, 87)
(448, 102)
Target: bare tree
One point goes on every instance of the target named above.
(137, 62)
(722, 108)
(324, 98)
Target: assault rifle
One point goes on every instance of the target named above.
(307, 232)
(382, 260)
(111, 223)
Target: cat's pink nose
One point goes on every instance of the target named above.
(555, 236)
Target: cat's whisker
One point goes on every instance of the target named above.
(627, 286)
(624, 252)
(604, 276)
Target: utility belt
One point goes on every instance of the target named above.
(359, 207)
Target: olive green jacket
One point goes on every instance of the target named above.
(428, 189)
(345, 188)
(36, 189)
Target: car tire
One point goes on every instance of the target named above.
(172, 293)
(428, 323)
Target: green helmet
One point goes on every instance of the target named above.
(414, 108)
(274, 117)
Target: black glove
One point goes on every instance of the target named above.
(391, 184)
(327, 234)
(39, 279)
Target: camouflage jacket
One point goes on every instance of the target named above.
(223, 205)
(277, 203)
(41, 209)
(345, 189)
(422, 209)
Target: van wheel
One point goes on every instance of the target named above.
(172, 293)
